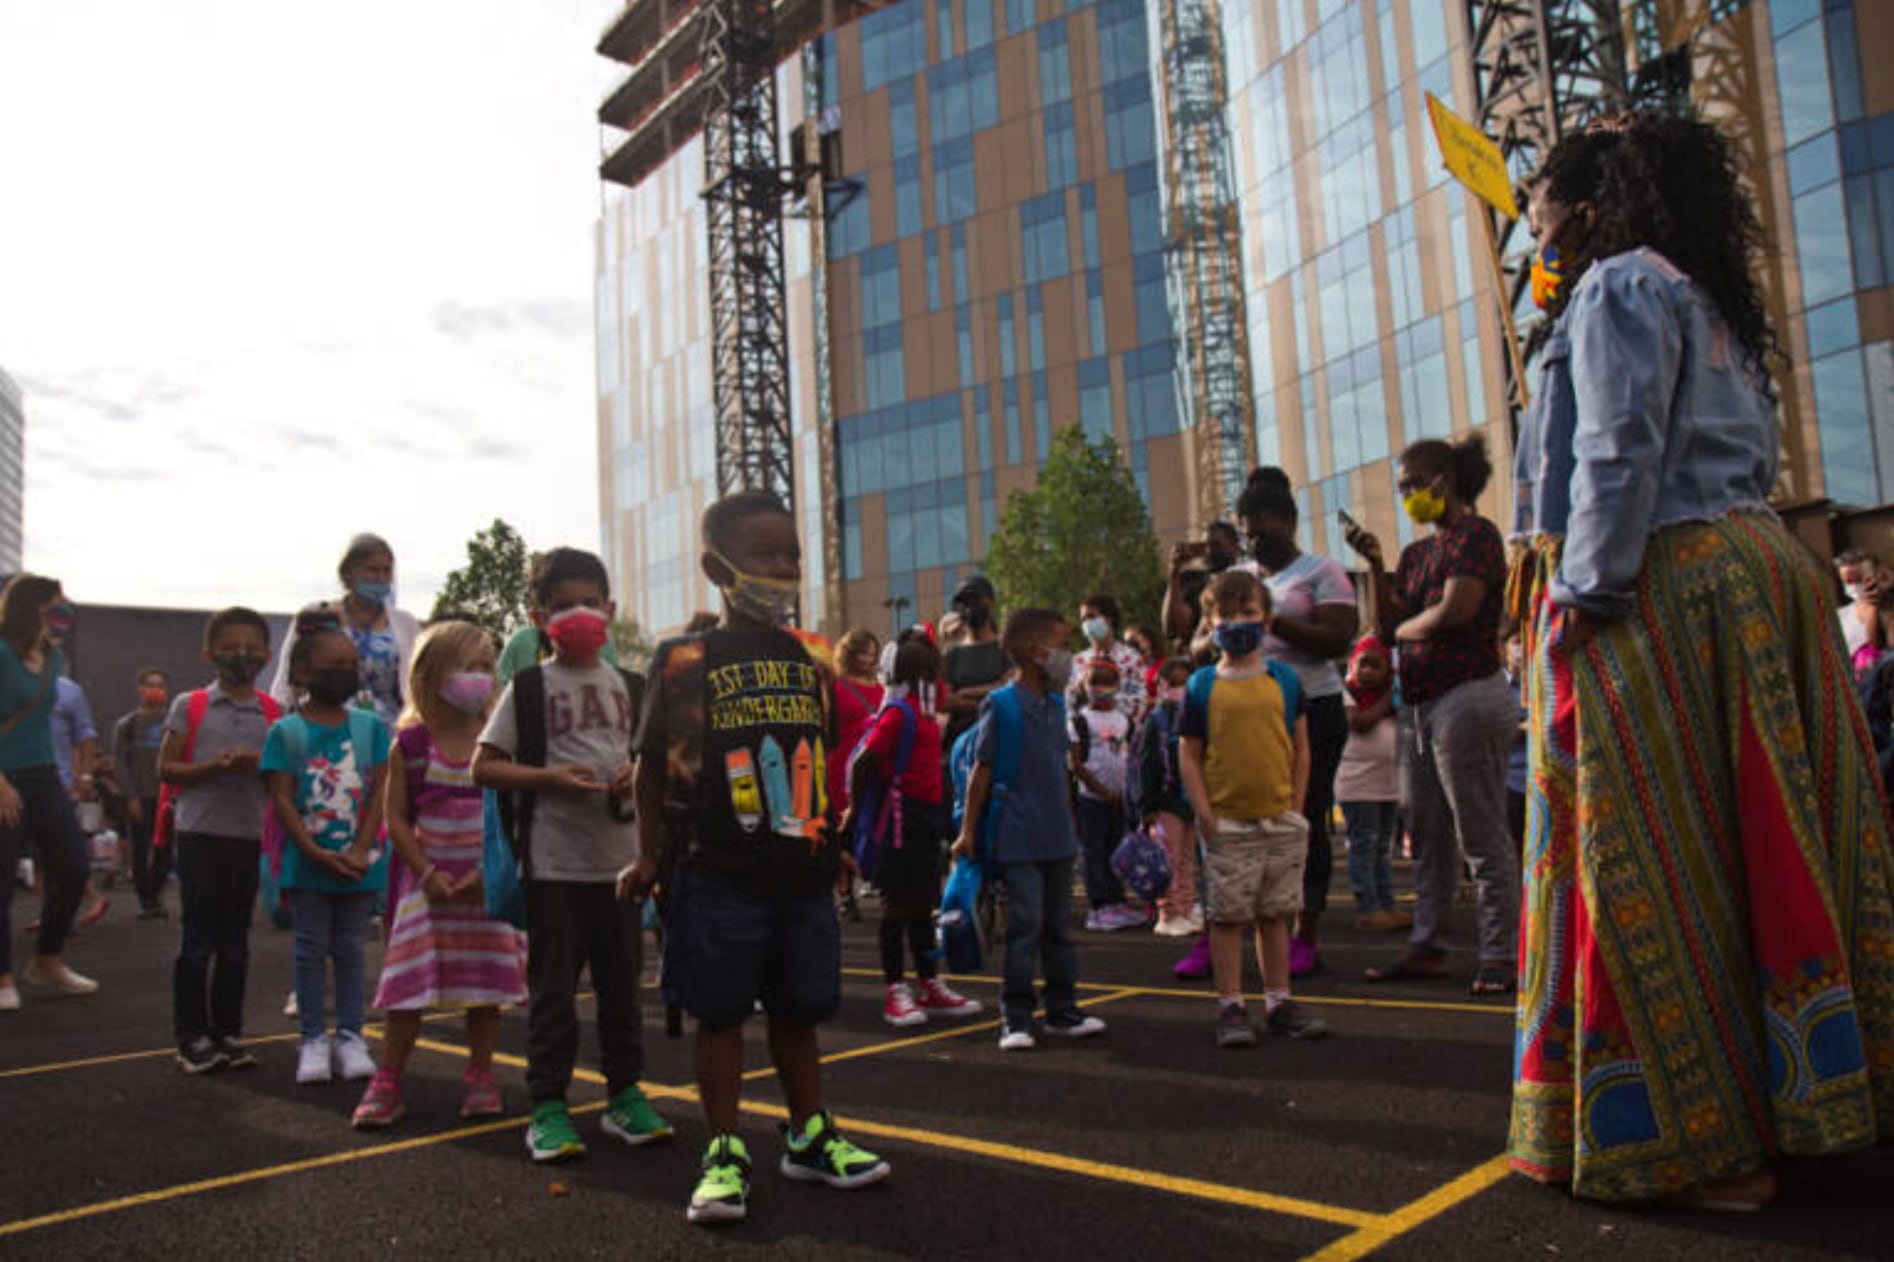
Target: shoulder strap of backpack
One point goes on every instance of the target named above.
(194, 711)
(1291, 685)
(634, 689)
(1009, 723)
(529, 716)
(904, 747)
(1197, 694)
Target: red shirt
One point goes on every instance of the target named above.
(855, 706)
(922, 783)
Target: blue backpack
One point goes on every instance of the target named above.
(877, 802)
(959, 922)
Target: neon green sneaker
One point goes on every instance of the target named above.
(631, 1118)
(551, 1136)
(820, 1154)
(723, 1193)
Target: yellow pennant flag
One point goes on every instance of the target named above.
(1472, 158)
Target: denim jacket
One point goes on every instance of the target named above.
(1542, 462)
(1671, 427)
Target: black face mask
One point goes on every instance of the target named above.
(1272, 552)
(239, 670)
(335, 686)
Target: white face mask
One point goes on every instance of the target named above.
(1857, 592)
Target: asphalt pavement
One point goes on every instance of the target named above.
(1383, 1140)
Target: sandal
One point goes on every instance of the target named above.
(1493, 980)
(1417, 964)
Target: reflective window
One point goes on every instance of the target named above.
(886, 369)
(1833, 327)
(1055, 65)
(1095, 399)
(1802, 82)
(944, 27)
(1844, 63)
(1095, 310)
(1019, 15)
(956, 195)
(1428, 20)
(1062, 154)
(1292, 22)
(963, 334)
(849, 227)
(893, 44)
(1144, 210)
(1088, 224)
(1426, 403)
(907, 196)
(1014, 453)
(1821, 242)
(1153, 301)
(881, 287)
(963, 96)
(1815, 163)
(1151, 392)
(903, 123)
(931, 265)
(1043, 237)
(978, 16)
(959, 249)
(1841, 409)
(1864, 231)
(1123, 48)
(1130, 124)
(1009, 346)
(1035, 329)
(1041, 417)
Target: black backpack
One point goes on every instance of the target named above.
(529, 716)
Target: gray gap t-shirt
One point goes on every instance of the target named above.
(589, 723)
(224, 806)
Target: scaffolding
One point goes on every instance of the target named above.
(1203, 255)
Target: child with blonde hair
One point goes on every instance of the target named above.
(443, 950)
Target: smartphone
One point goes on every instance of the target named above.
(1348, 523)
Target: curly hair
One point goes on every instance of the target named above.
(1672, 184)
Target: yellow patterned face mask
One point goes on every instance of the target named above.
(1424, 507)
(1547, 275)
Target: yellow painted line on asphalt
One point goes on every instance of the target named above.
(197, 1188)
(1390, 1227)
(1173, 992)
(120, 1058)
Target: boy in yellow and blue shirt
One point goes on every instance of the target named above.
(1244, 760)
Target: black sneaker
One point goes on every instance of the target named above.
(200, 1056)
(151, 911)
(1234, 1028)
(1290, 1021)
(1073, 1025)
(235, 1054)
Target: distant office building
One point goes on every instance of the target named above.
(1000, 270)
(12, 476)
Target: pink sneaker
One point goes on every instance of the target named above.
(480, 1094)
(1196, 965)
(900, 1010)
(932, 995)
(381, 1105)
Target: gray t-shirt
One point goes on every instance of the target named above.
(588, 723)
(225, 805)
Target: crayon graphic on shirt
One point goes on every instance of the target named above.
(746, 797)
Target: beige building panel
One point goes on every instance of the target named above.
(1171, 505)
(875, 134)
(1062, 325)
(1081, 40)
(1874, 36)
(1062, 395)
(881, 221)
(1121, 306)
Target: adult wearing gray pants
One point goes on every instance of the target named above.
(1442, 607)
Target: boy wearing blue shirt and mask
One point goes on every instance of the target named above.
(1244, 760)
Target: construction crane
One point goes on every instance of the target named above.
(1203, 254)
(708, 67)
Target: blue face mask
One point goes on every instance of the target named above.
(1240, 639)
(370, 592)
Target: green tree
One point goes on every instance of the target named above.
(1084, 529)
(633, 646)
(492, 586)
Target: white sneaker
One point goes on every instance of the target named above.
(1174, 927)
(9, 998)
(352, 1057)
(289, 1007)
(312, 1063)
(1017, 1041)
(65, 981)
(1074, 1025)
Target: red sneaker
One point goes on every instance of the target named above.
(932, 995)
(900, 1010)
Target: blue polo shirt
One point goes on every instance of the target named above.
(1035, 820)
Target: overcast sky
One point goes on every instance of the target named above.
(273, 273)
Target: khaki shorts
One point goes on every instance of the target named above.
(1255, 867)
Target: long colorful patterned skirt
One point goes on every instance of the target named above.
(1707, 947)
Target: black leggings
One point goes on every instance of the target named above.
(913, 923)
(48, 823)
(1328, 733)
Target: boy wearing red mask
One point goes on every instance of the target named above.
(135, 742)
(558, 747)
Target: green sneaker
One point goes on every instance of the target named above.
(820, 1154)
(723, 1194)
(552, 1137)
(631, 1118)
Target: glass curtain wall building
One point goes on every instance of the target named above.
(996, 270)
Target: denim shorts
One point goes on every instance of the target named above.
(726, 949)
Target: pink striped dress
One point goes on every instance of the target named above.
(446, 955)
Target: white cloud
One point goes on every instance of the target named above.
(274, 274)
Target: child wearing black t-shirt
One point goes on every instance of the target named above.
(732, 784)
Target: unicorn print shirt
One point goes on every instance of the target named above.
(332, 770)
